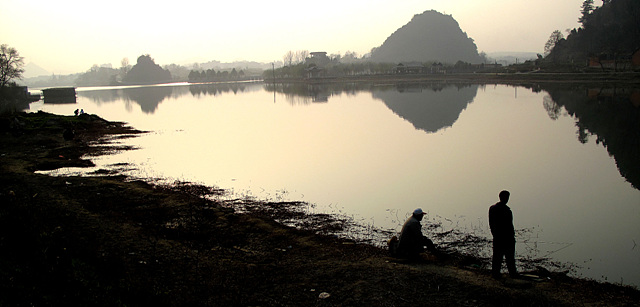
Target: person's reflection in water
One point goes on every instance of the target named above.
(411, 242)
(504, 240)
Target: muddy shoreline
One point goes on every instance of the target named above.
(110, 240)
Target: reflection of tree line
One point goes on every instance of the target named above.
(216, 89)
(306, 93)
(611, 114)
(149, 97)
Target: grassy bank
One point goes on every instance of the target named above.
(109, 241)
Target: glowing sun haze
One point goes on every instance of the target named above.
(68, 36)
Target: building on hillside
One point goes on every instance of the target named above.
(617, 62)
(319, 58)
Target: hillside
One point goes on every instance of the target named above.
(610, 31)
(428, 37)
(146, 71)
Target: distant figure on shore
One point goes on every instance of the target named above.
(504, 238)
(76, 112)
(411, 242)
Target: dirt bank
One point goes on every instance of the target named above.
(109, 241)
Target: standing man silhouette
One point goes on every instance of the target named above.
(504, 239)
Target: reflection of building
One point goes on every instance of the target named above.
(322, 97)
(604, 94)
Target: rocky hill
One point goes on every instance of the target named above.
(146, 71)
(428, 37)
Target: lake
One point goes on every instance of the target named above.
(569, 155)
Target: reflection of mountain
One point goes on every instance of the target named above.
(148, 97)
(429, 107)
(612, 114)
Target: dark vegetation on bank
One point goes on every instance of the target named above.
(108, 240)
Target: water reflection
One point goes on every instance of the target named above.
(148, 98)
(214, 89)
(429, 107)
(610, 114)
(307, 93)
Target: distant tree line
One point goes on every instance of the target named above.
(210, 75)
(146, 71)
(336, 65)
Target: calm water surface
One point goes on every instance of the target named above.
(376, 152)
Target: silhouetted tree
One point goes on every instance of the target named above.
(11, 65)
(288, 58)
(210, 75)
(124, 67)
(193, 75)
(301, 56)
(587, 8)
(555, 37)
(552, 108)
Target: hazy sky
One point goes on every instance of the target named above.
(66, 36)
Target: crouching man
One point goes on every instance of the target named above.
(411, 242)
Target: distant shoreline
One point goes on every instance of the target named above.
(630, 78)
(503, 78)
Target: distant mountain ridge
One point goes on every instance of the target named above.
(428, 37)
(33, 70)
